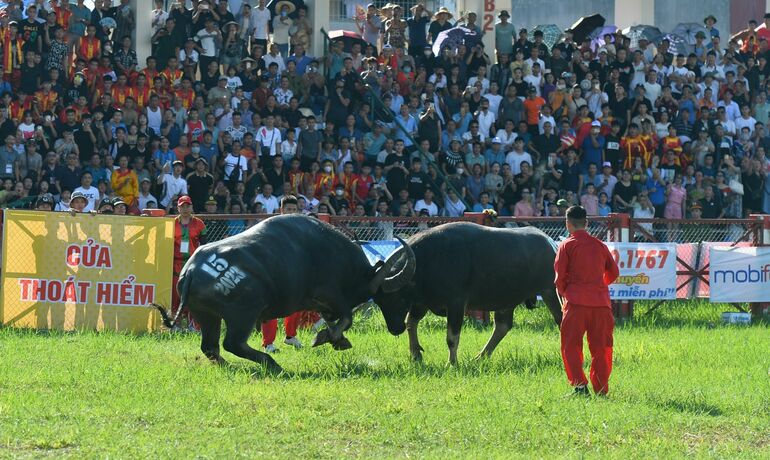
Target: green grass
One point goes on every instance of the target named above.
(683, 384)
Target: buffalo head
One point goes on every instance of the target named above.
(391, 294)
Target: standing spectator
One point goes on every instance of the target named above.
(189, 233)
(282, 24)
(260, 19)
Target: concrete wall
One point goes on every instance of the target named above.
(529, 13)
(669, 14)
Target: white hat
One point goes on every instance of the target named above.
(596, 123)
(497, 140)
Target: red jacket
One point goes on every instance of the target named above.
(584, 268)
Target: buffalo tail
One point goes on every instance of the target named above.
(166, 318)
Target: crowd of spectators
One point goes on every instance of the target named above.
(232, 110)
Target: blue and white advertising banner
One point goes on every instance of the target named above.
(740, 274)
(647, 271)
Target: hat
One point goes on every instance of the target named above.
(443, 10)
(387, 47)
(596, 123)
(211, 200)
(177, 162)
(118, 200)
(503, 13)
(184, 199)
(606, 164)
(306, 112)
(496, 140)
(696, 206)
(562, 202)
(76, 195)
(279, 6)
(45, 198)
(223, 77)
(710, 16)
(601, 50)
(388, 6)
(235, 23)
(145, 179)
(700, 34)
(105, 202)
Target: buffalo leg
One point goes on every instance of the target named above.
(236, 340)
(334, 333)
(414, 317)
(503, 324)
(552, 300)
(211, 327)
(454, 320)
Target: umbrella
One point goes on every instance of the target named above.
(453, 38)
(275, 7)
(687, 31)
(348, 39)
(639, 32)
(585, 25)
(108, 22)
(551, 34)
(677, 44)
(597, 36)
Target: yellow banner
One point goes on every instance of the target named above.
(85, 271)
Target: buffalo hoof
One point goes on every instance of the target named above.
(321, 338)
(417, 357)
(342, 344)
(218, 360)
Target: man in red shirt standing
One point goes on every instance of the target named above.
(189, 234)
(584, 268)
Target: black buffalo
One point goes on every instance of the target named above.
(281, 265)
(463, 265)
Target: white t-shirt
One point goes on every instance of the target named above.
(515, 160)
(154, 119)
(288, 151)
(173, 186)
(268, 138)
(259, 21)
(432, 208)
(207, 42)
(143, 200)
(91, 194)
(741, 123)
(269, 204)
(231, 161)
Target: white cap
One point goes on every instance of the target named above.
(596, 123)
(496, 140)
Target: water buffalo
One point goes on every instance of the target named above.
(463, 265)
(281, 265)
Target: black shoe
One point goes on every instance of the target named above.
(582, 390)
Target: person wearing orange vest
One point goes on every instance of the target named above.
(13, 55)
(189, 235)
(584, 269)
(186, 93)
(633, 146)
(89, 46)
(120, 91)
(270, 327)
(141, 92)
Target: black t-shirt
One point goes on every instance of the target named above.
(710, 208)
(85, 145)
(199, 188)
(620, 108)
(612, 149)
(417, 183)
(396, 177)
(546, 144)
(276, 179)
(626, 192)
(626, 72)
(30, 29)
(146, 154)
(30, 77)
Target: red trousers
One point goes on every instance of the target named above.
(598, 323)
(270, 327)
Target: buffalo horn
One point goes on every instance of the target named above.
(393, 282)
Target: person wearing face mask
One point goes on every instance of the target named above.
(338, 200)
(327, 181)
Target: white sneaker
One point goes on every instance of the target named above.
(293, 341)
(318, 325)
(271, 349)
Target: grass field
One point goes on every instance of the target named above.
(683, 384)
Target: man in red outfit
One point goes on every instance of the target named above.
(289, 205)
(189, 234)
(584, 268)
